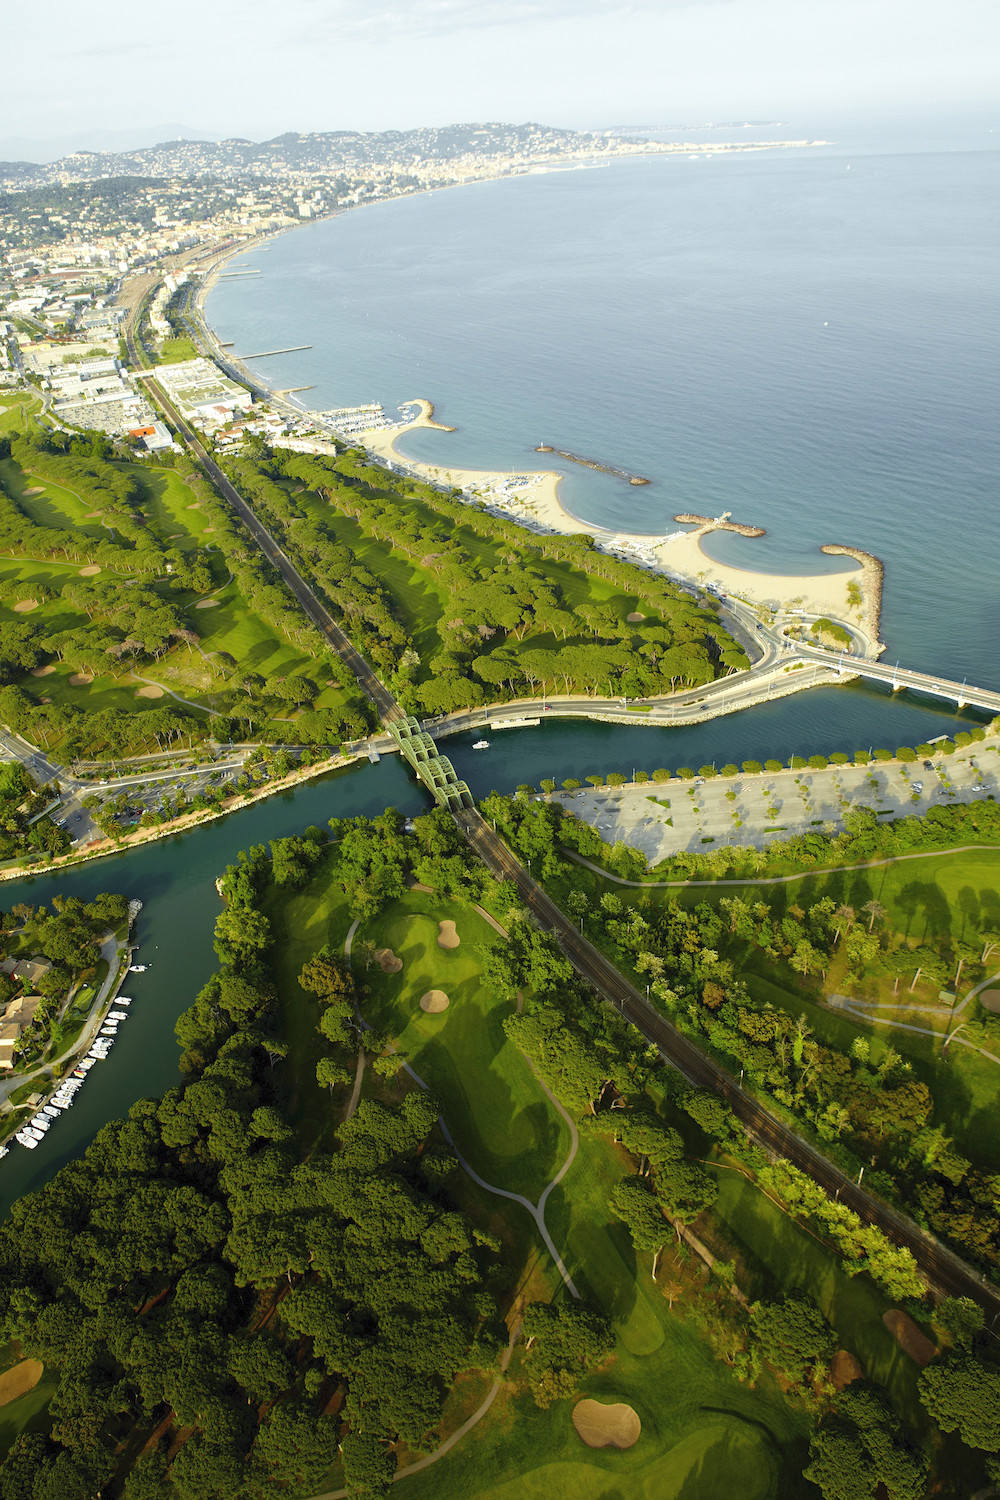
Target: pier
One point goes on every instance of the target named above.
(266, 353)
(591, 463)
(233, 275)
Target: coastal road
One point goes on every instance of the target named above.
(943, 1268)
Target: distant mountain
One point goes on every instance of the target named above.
(21, 149)
(329, 151)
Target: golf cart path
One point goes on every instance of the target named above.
(536, 1210)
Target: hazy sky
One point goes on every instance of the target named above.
(258, 67)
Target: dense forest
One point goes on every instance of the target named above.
(506, 612)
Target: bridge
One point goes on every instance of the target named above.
(896, 677)
(435, 771)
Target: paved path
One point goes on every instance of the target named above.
(151, 681)
(457, 1435)
(869, 864)
(536, 1210)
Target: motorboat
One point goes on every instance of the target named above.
(481, 745)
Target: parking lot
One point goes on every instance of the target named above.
(662, 819)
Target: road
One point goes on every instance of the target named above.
(961, 693)
(939, 1264)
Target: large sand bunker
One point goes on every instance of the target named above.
(990, 1000)
(81, 679)
(908, 1336)
(434, 1002)
(90, 571)
(447, 936)
(43, 671)
(612, 1426)
(388, 961)
(150, 692)
(634, 617)
(24, 606)
(207, 604)
(20, 1379)
(844, 1369)
(36, 489)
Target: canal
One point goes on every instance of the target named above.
(175, 878)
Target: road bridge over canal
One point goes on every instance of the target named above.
(964, 694)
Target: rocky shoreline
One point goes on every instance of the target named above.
(872, 579)
(718, 525)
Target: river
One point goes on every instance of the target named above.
(175, 878)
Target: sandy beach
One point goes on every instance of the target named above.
(678, 553)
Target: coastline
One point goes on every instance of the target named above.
(536, 503)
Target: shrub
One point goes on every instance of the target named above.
(752, 767)
(904, 753)
(707, 771)
(925, 749)
(798, 762)
(615, 778)
(641, 777)
(773, 765)
(840, 758)
(686, 773)
(861, 757)
(946, 747)
(818, 762)
(730, 769)
(978, 733)
(661, 774)
(883, 755)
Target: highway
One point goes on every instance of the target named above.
(944, 1269)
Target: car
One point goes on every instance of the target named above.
(918, 786)
(928, 765)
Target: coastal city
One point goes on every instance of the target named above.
(499, 980)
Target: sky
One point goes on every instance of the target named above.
(260, 67)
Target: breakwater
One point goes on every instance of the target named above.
(720, 523)
(591, 463)
(872, 579)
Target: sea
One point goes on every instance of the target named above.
(808, 338)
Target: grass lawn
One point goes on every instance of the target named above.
(303, 923)
(703, 1434)
(57, 506)
(173, 351)
(17, 410)
(172, 507)
(29, 1413)
(496, 1110)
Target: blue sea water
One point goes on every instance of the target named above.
(807, 339)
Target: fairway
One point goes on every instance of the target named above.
(497, 1111)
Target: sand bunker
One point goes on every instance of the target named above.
(209, 528)
(207, 604)
(387, 961)
(195, 505)
(434, 1002)
(20, 1379)
(37, 489)
(908, 1336)
(93, 515)
(447, 936)
(90, 571)
(634, 617)
(81, 679)
(43, 671)
(990, 999)
(24, 606)
(844, 1369)
(601, 1426)
(150, 692)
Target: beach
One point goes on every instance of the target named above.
(678, 553)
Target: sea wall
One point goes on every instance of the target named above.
(872, 578)
(689, 519)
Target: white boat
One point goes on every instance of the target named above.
(26, 1140)
(4, 1151)
(481, 745)
(137, 969)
